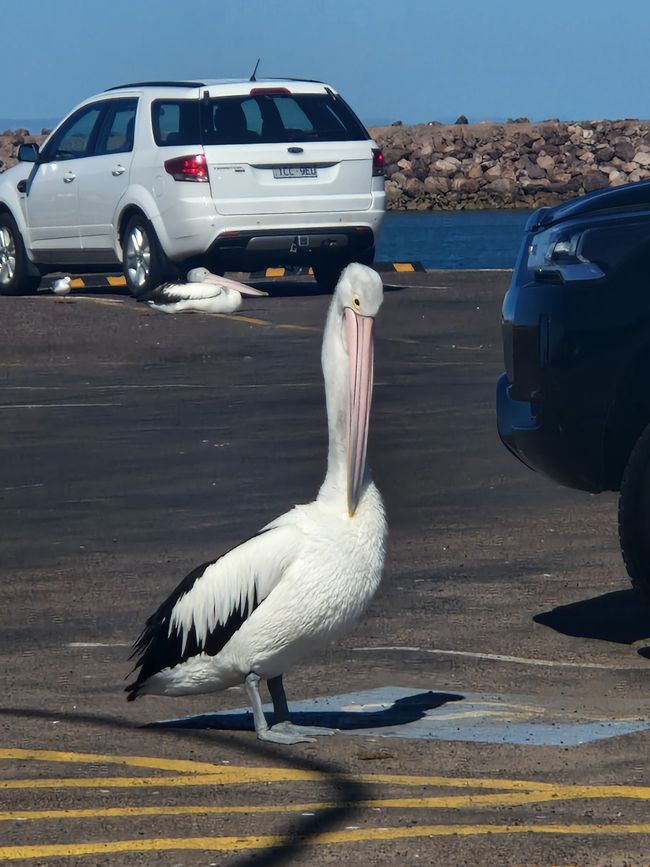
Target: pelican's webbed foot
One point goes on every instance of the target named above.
(310, 731)
(280, 734)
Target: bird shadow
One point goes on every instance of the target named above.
(617, 617)
(403, 711)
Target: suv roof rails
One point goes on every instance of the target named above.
(157, 84)
(191, 84)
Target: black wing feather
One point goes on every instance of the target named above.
(157, 648)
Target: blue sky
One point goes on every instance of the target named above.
(417, 61)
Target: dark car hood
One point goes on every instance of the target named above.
(629, 196)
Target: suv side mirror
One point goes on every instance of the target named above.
(28, 153)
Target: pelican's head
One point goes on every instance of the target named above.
(197, 275)
(358, 295)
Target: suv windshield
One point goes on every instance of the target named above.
(272, 115)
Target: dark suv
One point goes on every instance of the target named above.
(574, 402)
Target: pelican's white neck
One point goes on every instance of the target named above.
(336, 374)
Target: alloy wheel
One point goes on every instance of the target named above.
(138, 257)
(7, 256)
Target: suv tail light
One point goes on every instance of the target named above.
(192, 168)
(377, 163)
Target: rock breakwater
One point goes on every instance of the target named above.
(509, 165)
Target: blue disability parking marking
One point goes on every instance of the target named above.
(398, 712)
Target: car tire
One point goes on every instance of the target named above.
(15, 278)
(634, 516)
(144, 263)
(327, 274)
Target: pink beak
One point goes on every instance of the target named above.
(360, 353)
(242, 288)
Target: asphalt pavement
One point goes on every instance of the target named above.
(493, 703)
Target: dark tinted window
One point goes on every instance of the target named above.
(279, 117)
(175, 122)
(116, 132)
(76, 137)
(615, 244)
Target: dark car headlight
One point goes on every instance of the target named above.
(560, 255)
(575, 254)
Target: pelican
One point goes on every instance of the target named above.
(307, 576)
(204, 292)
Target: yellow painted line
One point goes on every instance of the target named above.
(249, 319)
(275, 272)
(365, 835)
(439, 802)
(77, 283)
(403, 266)
(116, 281)
(190, 773)
(309, 328)
(199, 773)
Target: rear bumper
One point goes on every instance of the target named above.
(245, 250)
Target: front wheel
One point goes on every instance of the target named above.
(144, 263)
(15, 278)
(634, 516)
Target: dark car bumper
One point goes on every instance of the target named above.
(542, 443)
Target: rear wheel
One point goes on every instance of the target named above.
(15, 278)
(634, 516)
(144, 263)
(327, 273)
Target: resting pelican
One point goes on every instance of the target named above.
(203, 293)
(306, 577)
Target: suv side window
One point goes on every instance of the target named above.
(175, 122)
(76, 137)
(116, 132)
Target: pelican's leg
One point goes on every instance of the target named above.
(264, 733)
(281, 713)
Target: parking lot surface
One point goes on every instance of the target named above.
(493, 703)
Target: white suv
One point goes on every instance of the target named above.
(161, 176)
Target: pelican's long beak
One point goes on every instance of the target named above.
(360, 353)
(249, 290)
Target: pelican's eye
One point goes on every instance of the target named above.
(357, 302)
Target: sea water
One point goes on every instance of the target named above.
(452, 239)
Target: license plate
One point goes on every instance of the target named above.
(295, 172)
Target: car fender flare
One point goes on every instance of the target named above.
(11, 201)
(137, 198)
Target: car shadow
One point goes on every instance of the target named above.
(403, 710)
(618, 617)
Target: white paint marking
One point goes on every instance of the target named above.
(497, 657)
(20, 487)
(52, 405)
(98, 644)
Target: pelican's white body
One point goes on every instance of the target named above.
(324, 568)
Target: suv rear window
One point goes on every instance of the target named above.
(265, 117)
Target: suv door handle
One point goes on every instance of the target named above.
(69, 177)
(119, 170)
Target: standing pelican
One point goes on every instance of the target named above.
(203, 293)
(306, 577)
